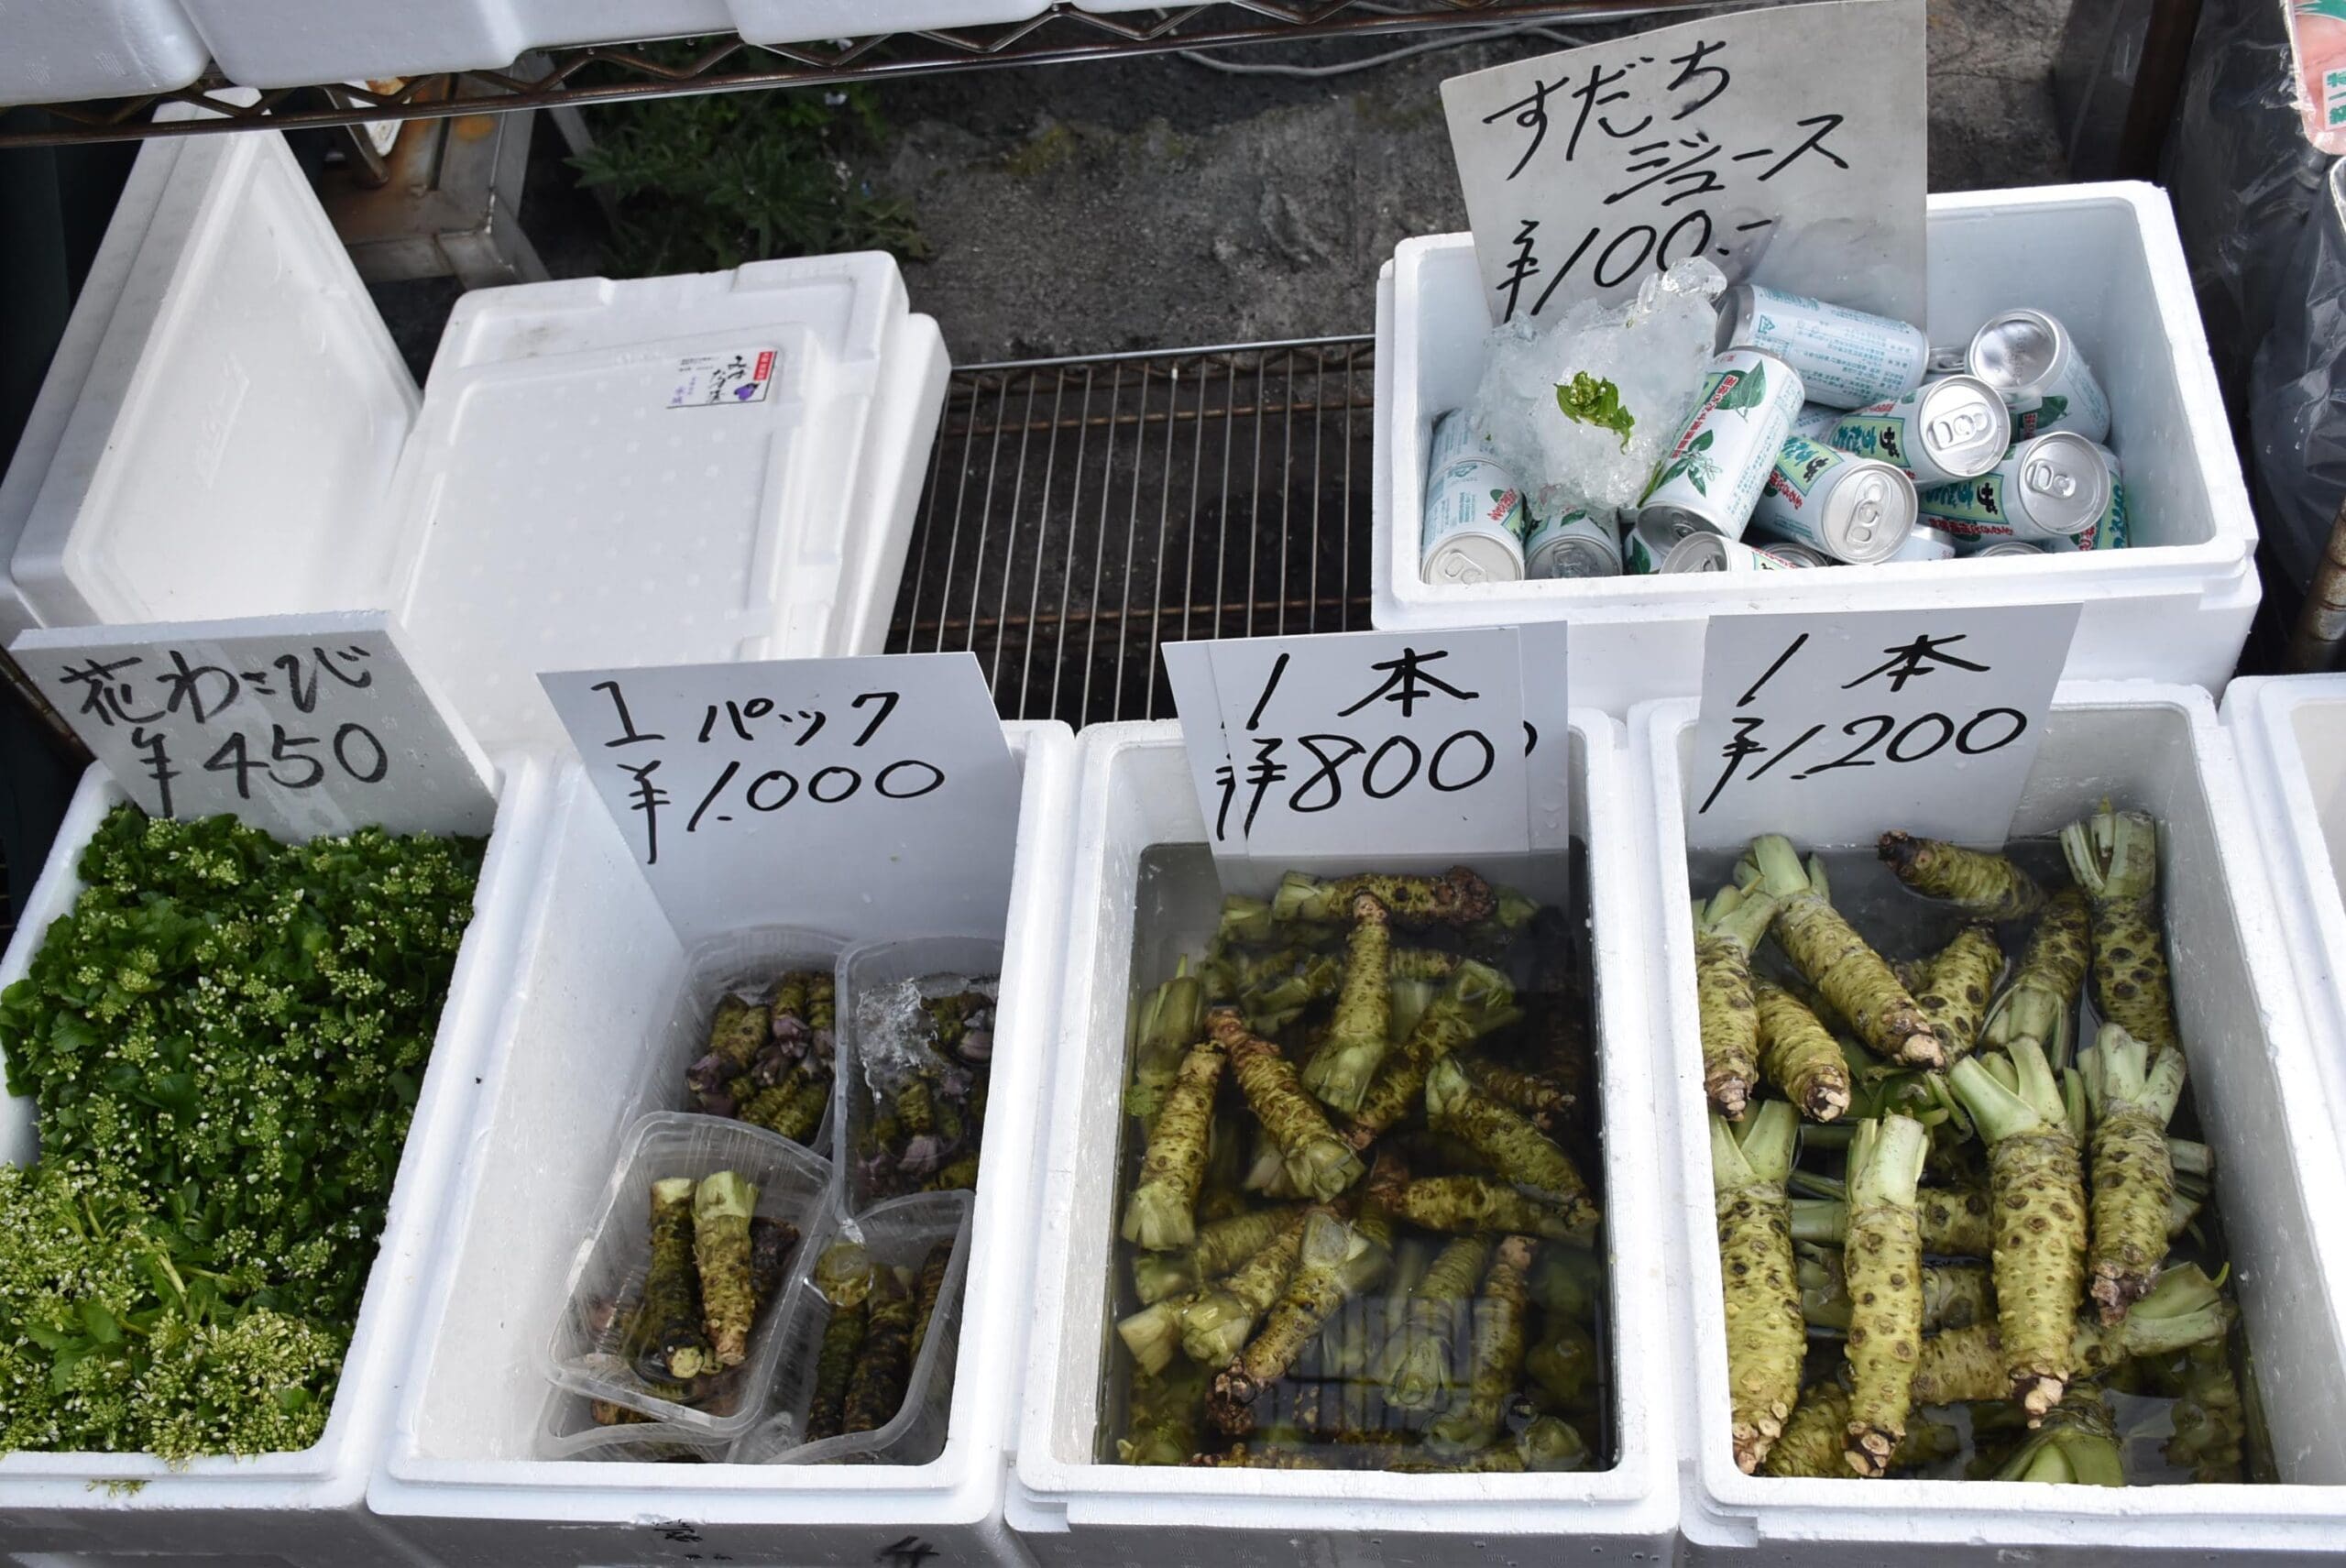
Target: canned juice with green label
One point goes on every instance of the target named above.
(1712, 475)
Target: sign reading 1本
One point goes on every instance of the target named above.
(1834, 730)
(1394, 743)
(1783, 144)
(740, 786)
(300, 725)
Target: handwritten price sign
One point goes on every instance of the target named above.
(742, 788)
(1834, 730)
(1784, 144)
(1393, 743)
(300, 725)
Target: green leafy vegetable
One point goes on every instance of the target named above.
(225, 1038)
(1592, 401)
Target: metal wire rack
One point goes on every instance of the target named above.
(1082, 513)
(601, 73)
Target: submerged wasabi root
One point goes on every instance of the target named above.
(1319, 1286)
(2133, 1174)
(1984, 886)
(1161, 1213)
(1530, 1161)
(1962, 976)
(2041, 1002)
(1415, 1367)
(1318, 1163)
(2114, 855)
(1457, 897)
(1798, 1056)
(1496, 1358)
(1883, 1262)
(1825, 947)
(1474, 1002)
(1462, 1204)
(1766, 1341)
(1339, 1071)
(1217, 1326)
(1726, 930)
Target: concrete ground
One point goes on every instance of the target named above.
(1162, 202)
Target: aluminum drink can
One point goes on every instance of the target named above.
(2108, 531)
(1711, 476)
(1947, 359)
(1792, 554)
(1923, 542)
(1941, 432)
(1844, 357)
(2033, 364)
(1816, 421)
(1645, 555)
(2004, 547)
(1473, 513)
(1853, 508)
(2054, 486)
(1571, 541)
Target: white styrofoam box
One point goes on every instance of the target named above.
(296, 43)
(573, 1061)
(554, 512)
(796, 21)
(230, 432)
(2279, 1187)
(2290, 733)
(1072, 1509)
(303, 1508)
(2175, 605)
(54, 53)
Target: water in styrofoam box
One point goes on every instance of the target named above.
(901, 1235)
(586, 1354)
(746, 963)
(889, 1062)
(1652, 350)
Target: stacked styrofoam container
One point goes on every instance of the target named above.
(305, 1508)
(577, 1056)
(2290, 733)
(2174, 605)
(2279, 1186)
(56, 53)
(229, 432)
(1069, 1506)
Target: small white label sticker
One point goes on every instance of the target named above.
(704, 381)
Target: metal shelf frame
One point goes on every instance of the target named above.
(607, 73)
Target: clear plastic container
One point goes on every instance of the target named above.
(567, 1429)
(792, 1184)
(745, 963)
(870, 975)
(899, 1235)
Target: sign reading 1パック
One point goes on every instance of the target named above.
(1835, 729)
(746, 790)
(1785, 144)
(1435, 744)
(299, 725)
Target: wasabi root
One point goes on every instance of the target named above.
(1765, 1340)
(1955, 1295)
(1984, 886)
(926, 1294)
(1217, 1326)
(1495, 1357)
(1726, 930)
(672, 1315)
(2133, 1174)
(1532, 1161)
(845, 1276)
(1882, 1260)
(722, 1206)
(1565, 1364)
(1318, 1163)
(1796, 1054)
(1161, 1214)
(1313, 1294)
(2036, 1181)
(2041, 1002)
(1221, 1246)
(1415, 1367)
(1339, 1071)
(1958, 1222)
(1540, 1102)
(1457, 897)
(1170, 1023)
(1826, 949)
(1475, 1000)
(1460, 1204)
(1961, 977)
(1811, 1446)
(2184, 1309)
(2114, 855)
(1164, 1417)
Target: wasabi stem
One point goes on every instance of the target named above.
(2133, 1174)
(1339, 1071)
(1496, 1360)
(1415, 1367)
(1152, 1334)
(2183, 1310)
(1955, 1295)
(1765, 1340)
(1838, 963)
(1318, 1163)
(2076, 1444)
(1986, 886)
(2041, 1002)
(1161, 1213)
(1532, 1162)
(1459, 1204)
(1958, 1222)
(1961, 978)
(1169, 1024)
(1243, 921)
(672, 1314)
(1216, 1327)
(1457, 897)
(1566, 1363)
(722, 1205)
(1313, 1293)
(1726, 930)
(2037, 1183)
(2210, 1418)
(1883, 1263)
(1798, 1056)
(1476, 1001)
(2114, 855)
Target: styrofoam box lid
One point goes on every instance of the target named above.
(565, 1070)
(238, 421)
(2279, 1176)
(1136, 792)
(58, 50)
(555, 512)
(36, 1488)
(2290, 733)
